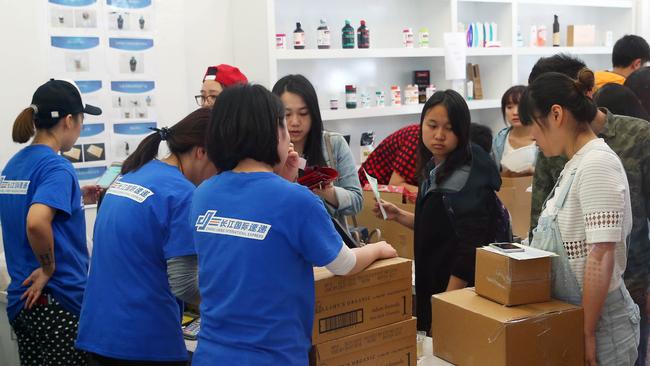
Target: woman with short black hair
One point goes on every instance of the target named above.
(258, 236)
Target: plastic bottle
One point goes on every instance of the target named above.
(395, 96)
(556, 32)
(347, 36)
(363, 36)
(542, 36)
(533, 36)
(324, 39)
(298, 37)
(350, 96)
(423, 38)
(520, 37)
(407, 35)
(380, 98)
(431, 89)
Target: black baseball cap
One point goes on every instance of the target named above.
(58, 98)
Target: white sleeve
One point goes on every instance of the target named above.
(344, 262)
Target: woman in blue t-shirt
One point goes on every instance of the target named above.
(143, 252)
(257, 236)
(43, 227)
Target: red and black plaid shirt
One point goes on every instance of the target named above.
(396, 153)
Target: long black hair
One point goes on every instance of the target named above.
(244, 125)
(555, 88)
(299, 85)
(180, 138)
(460, 119)
(619, 99)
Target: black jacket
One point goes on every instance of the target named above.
(451, 221)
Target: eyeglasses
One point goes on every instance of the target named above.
(202, 99)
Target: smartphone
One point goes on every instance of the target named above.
(507, 247)
(191, 331)
(110, 175)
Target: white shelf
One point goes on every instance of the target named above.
(586, 3)
(487, 1)
(340, 114)
(316, 54)
(543, 51)
(492, 51)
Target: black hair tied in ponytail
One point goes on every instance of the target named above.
(190, 132)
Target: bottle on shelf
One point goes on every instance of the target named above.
(363, 36)
(350, 96)
(542, 36)
(408, 38)
(380, 98)
(431, 89)
(533, 36)
(347, 35)
(324, 40)
(280, 41)
(520, 37)
(556, 32)
(298, 37)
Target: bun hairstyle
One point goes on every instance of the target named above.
(553, 88)
(586, 80)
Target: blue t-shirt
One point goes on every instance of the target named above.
(37, 174)
(129, 311)
(257, 236)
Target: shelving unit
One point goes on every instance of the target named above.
(387, 63)
(404, 110)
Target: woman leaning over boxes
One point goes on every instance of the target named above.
(587, 217)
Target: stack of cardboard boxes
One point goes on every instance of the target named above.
(365, 319)
(510, 318)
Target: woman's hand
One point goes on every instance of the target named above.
(392, 211)
(36, 282)
(328, 193)
(290, 169)
(91, 194)
(590, 350)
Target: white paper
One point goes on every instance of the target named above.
(455, 56)
(528, 253)
(375, 190)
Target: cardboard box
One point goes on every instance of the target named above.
(468, 329)
(510, 281)
(515, 196)
(393, 344)
(400, 237)
(581, 35)
(345, 305)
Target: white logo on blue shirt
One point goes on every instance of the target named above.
(128, 190)
(210, 223)
(13, 186)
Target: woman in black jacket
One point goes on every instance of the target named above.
(456, 210)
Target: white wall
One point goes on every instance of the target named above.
(190, 36)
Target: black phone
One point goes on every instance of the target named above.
(507, 247)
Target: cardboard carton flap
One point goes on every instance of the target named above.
(468, 299)
(321, 273)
